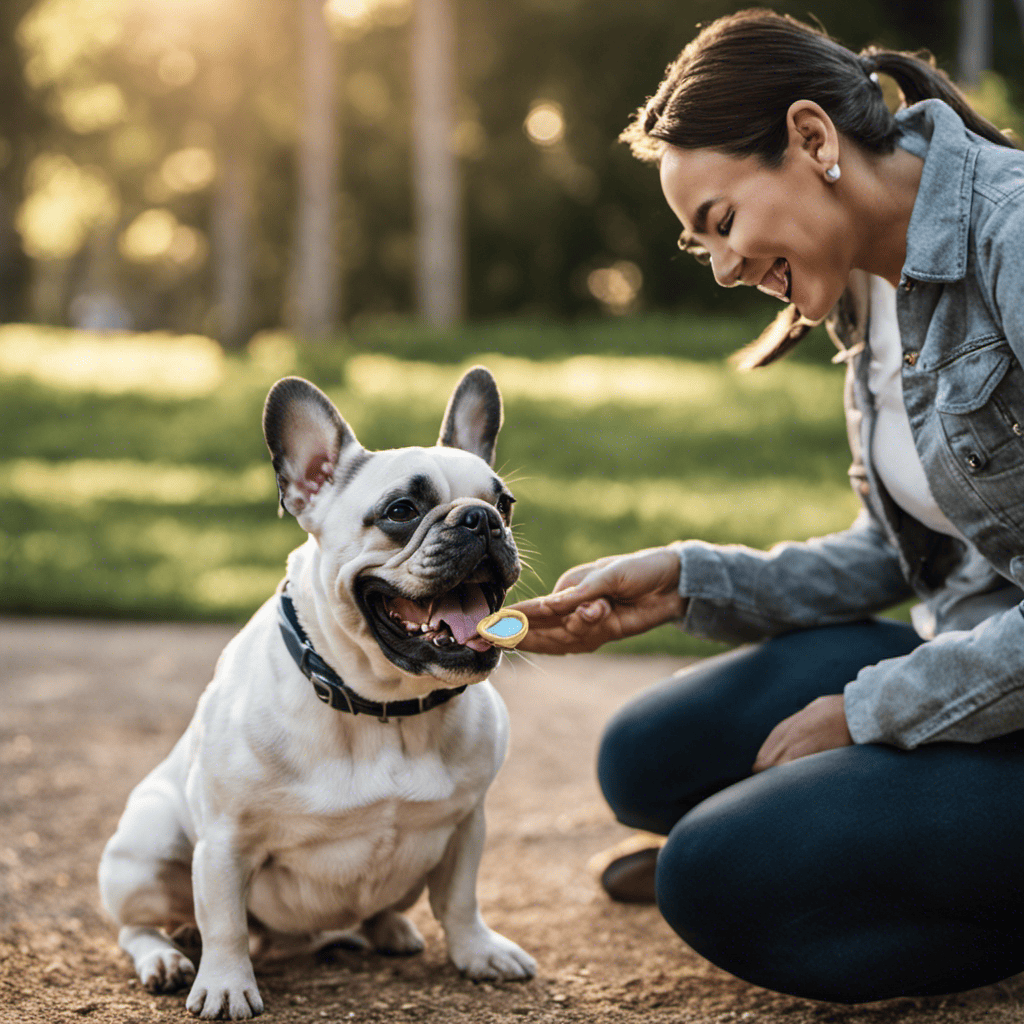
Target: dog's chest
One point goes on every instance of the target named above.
(357, 835)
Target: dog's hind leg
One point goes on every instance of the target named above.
(390, 931)
(146, 885)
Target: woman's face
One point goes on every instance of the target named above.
(781, 230)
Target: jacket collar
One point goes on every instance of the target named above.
(937, 239)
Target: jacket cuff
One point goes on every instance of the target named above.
(861, 714)
(707, 583)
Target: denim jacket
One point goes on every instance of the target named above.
(960, 306)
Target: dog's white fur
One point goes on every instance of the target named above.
(312, 821)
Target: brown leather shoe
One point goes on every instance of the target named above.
(630, 878)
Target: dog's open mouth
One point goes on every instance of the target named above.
(440, 628)
(445, 620)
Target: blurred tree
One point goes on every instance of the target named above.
(438, 198)
(975, 49)
(20, 120)
(232, 199)
(158, 108)
(159, 154)
(316, 277)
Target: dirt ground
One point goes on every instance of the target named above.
(86, 708)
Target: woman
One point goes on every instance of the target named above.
(889, 863)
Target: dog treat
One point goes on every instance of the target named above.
(505, 628)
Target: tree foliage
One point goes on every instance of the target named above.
(122, 114)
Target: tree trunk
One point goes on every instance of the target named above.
(317, 273)
(439, 257)
(15, 271)
(1019, 4)
(975, 50)
(232, 242)
(231, 216)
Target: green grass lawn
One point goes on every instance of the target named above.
(134, 481)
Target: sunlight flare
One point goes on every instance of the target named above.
(545, 123)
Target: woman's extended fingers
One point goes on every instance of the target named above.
(539, 611)
(566, 596)
(612, 598)
(571, 577)
(584, 629)
(543, 611)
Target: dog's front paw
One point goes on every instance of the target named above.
(484, 955)
(165, 970)
(227, 995)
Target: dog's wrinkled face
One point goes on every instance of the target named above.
(456, 562)
(417, 541)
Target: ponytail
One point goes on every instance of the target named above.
(919, 79)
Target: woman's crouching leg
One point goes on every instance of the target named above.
(699, 731)
(858, 874)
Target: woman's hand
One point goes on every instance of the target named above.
(819, 726)
(612, 598)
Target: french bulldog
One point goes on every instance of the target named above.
(337, 763)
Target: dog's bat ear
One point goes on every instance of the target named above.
(474, 415)
(306, 437)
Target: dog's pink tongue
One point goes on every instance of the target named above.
(462, 608)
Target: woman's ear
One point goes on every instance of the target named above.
(812, 133)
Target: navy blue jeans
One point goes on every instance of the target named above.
(855, 874)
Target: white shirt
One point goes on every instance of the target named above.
(892, 447)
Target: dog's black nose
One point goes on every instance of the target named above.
(477, 520)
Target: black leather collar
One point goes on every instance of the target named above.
(331, 688)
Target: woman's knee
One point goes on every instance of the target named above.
(624, 772)
(773, 880)
(699, 880)
(673, 745)
(745, 877)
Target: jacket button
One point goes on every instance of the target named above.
(1016, 428)
(910, 359)
(907, 284)
(974, 460)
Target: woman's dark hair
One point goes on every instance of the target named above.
(733, 84)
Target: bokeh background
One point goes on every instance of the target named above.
(200, 196)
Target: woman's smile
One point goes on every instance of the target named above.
(777, 229)
(777, 282)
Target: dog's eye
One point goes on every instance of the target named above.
(401, 512)
(504, 506)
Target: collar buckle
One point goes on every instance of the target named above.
(330, 688)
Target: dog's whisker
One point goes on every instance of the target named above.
(535, 665)
(524, 584)
(529, 570)
(529, 563)
(509, 475)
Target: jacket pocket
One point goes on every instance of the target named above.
(980, 402)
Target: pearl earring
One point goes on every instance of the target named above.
(833, 173)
